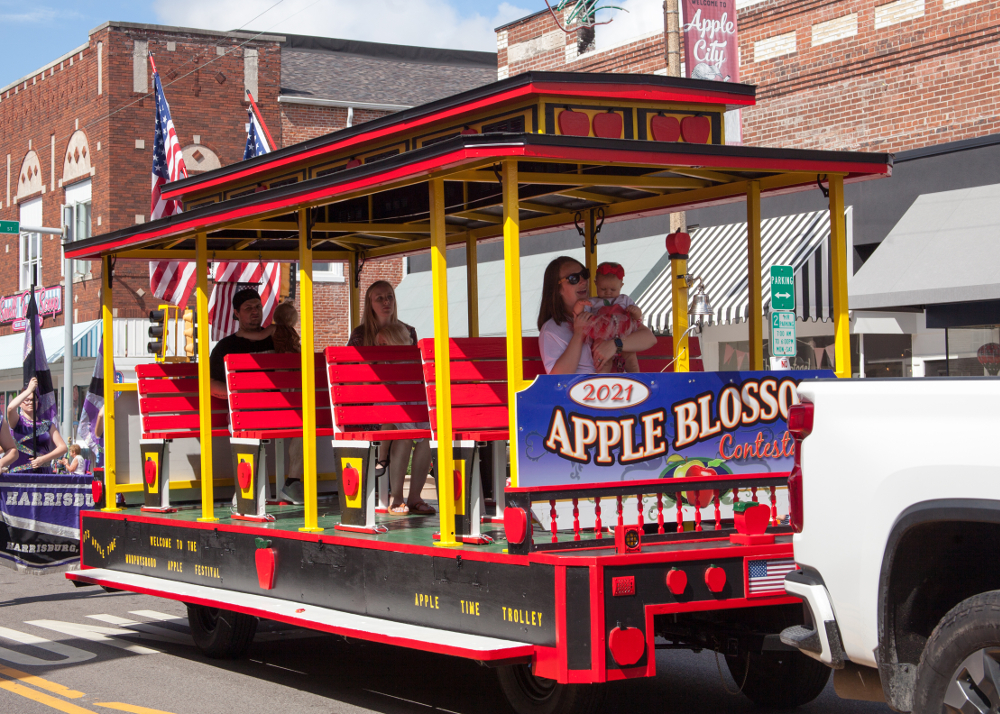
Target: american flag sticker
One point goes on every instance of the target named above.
(767, 577)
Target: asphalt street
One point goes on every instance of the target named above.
(82, 650)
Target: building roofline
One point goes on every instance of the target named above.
(520, 19)
(51, 64)
(236, 35)
(382, 50)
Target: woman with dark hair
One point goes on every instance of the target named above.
(563, 322)
(38, 442)
(380, 311)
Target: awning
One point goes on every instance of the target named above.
(719, 258)
(943, 250)
(86, 341)
(414, 295)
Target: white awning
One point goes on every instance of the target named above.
(86, 341)
(719, 258)
(943, 250)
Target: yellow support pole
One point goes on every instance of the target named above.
(590, 249)
(512, 276)
(309, 485)
(472, 283)
(204, 380)
(756, 308)
(353, 298)
(838, 261)
(679, 318)
(442, 368)
(107, 316)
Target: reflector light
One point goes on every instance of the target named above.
(623, 586)
(800, 424)
(715, 578)
(800, 419)
(627, 645)
(515, 524)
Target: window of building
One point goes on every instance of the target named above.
(328, 272)
(30, 243)
(77, 219)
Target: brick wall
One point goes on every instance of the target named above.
(865, 75)
(205, 88)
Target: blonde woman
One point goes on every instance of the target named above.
(379, 317)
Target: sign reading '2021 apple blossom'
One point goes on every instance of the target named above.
(711, 49)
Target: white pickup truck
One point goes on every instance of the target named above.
(895, 503)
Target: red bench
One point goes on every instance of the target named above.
(265, 404)
(371, 390)
(168, 410)
(662, 354)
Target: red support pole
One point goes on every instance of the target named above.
(659, 513)
(680, 512)
(621, 515)
(718, 512)
(597, 517)
(639, 506)
(576, 519)
(552, 515)
(774, 506)
(697, 510)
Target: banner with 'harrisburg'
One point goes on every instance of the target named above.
(40, 525)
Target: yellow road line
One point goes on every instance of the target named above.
(40, 683)
(129, 708)
(45, 699)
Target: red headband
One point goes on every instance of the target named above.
(611, 269)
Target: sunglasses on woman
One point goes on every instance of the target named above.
(575, 278)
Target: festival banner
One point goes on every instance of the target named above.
(587, 429)
(40, 525)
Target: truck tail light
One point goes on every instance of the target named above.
(800, 424)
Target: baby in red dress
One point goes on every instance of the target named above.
(616, 315)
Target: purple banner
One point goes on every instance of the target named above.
(40, 526)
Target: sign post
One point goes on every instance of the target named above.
(10, 227)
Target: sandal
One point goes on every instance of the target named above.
(422, 508)
(400, 509)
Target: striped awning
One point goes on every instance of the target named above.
(719, 258)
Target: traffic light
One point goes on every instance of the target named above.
(157, 333)
(190, 334)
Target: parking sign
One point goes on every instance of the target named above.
(783, 334)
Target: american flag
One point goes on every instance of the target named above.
(767, 577)
(170, 280)
(232, 276)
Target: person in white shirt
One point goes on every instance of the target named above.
(563, 325)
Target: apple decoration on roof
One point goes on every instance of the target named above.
(574, 123)
(696, 129)
(608, 125)
(665, 128)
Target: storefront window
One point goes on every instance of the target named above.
(885, 355)
(971, 352)
(813, 353)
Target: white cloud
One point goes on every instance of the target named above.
(427, 23)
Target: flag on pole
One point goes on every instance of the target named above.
(91, 407)
(36, 365)
(233, 276)
(170, 280)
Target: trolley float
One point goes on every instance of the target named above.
(658, 498)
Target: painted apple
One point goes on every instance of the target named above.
(704, 498)
(149, 468)
(627, 645)
(244, 472)
(96, 490)
(266, 559)
(715, 578)
(515, 524)
(608, 125)
(696, 130)
(352, 481)
(677, 581)
(752, 519)
(665, 128)
(574, 123)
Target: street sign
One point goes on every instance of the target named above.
(783, 334)
(10, 227)
(782, 287)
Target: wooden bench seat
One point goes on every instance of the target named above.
(169, 410)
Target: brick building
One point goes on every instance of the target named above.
(78, 132)
(917, 78)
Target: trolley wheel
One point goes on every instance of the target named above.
(780, 679)
(528, 694)
(221, 634)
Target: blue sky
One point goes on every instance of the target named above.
(36, 33)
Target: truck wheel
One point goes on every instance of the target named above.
(780, 679)
(965, 645)
(528, 694)
(221, 634)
